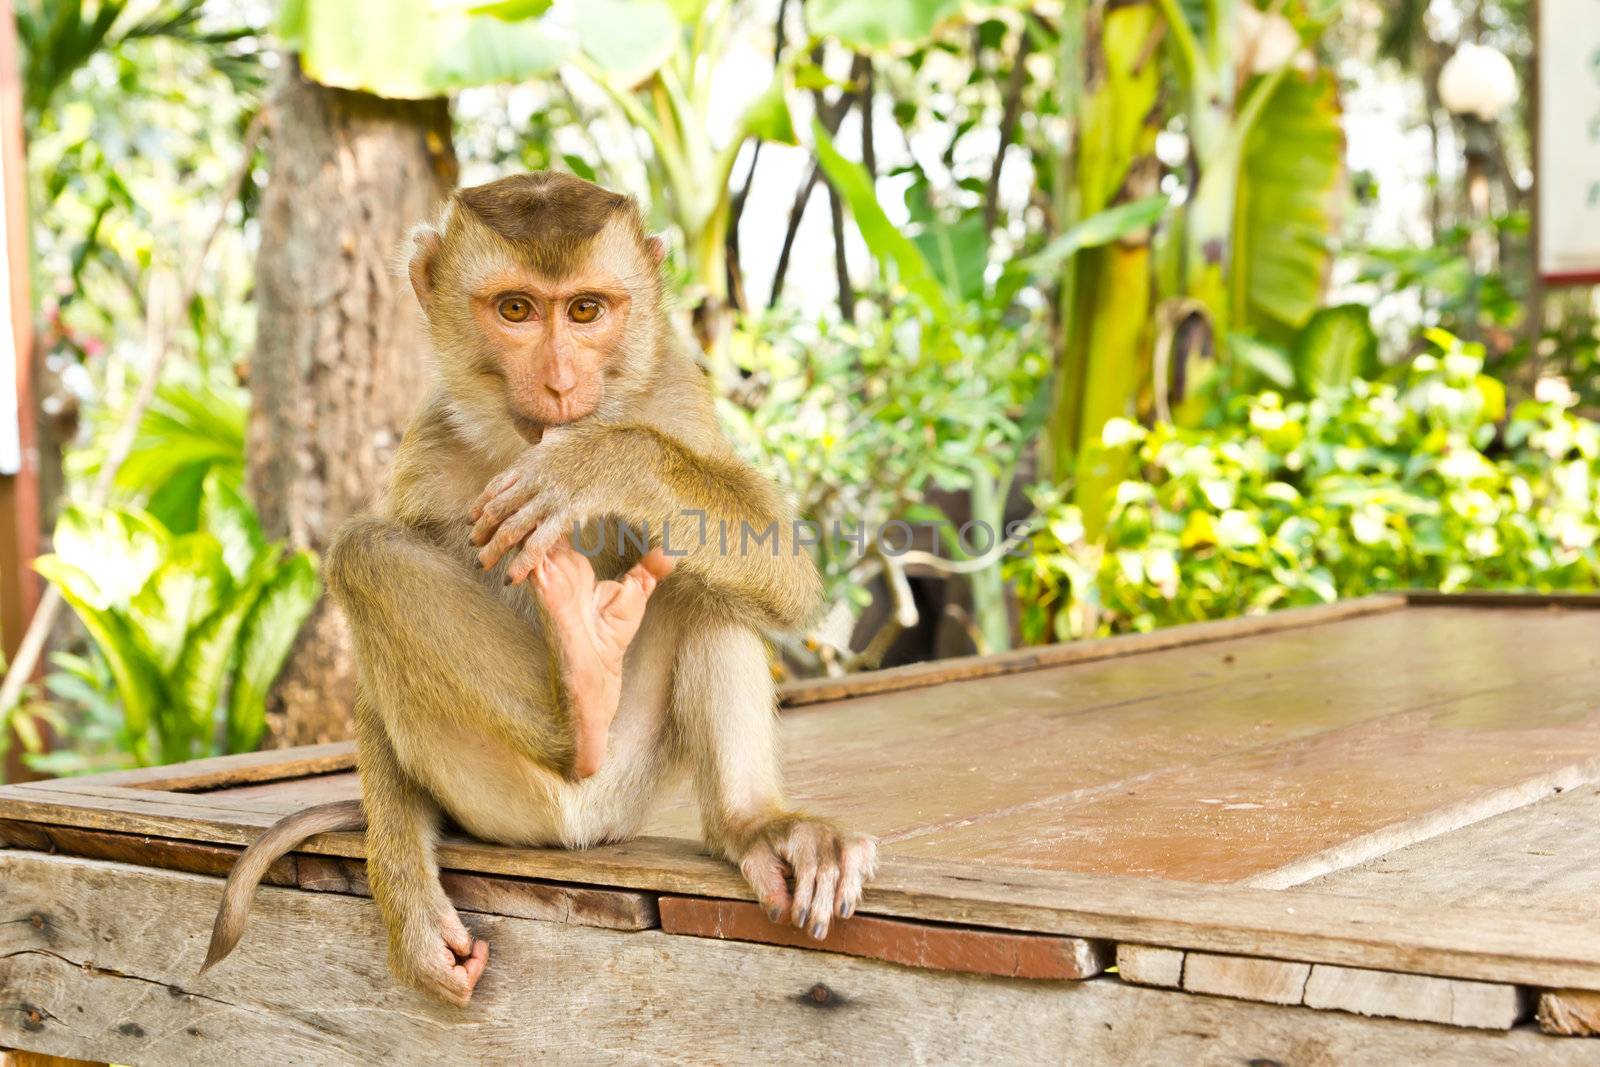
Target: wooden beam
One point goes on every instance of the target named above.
(1245, 977)
(610, 909)
(913, 944)
(109, 975)
(1453, 942)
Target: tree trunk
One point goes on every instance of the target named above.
(340, 355)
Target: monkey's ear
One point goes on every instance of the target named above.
(656, 245)
(424, 250)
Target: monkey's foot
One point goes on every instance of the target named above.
(828, 866)
(441, 958)
(594, 624)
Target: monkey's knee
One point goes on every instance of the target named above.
(363, 549)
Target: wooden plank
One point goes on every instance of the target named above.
(1569, 1012)
(112, 977)
(611, 909)
(219, 771)
(1541, 856)
(1484, 1005)
(1386, 994)
(935, 672)
(1494, 598)
(940, 948)
(319, 789)
(1245, 977)
(1490, 945)
(141, 849)
(1150, 965)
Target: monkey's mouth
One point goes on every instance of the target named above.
(531, 430)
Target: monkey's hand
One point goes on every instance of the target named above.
(828, 867)
(594, 624)
(527, 508)
(439, 957)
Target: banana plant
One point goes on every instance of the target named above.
(194, 627)
(1264, 134)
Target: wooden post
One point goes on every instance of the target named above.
(19, 458)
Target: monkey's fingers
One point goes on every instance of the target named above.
(508, 535)
(536, 547)
(769, 877)
(497, 485)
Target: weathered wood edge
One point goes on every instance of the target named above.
(930, 946)
(134, 997)
(965, 668)
(1454, 942)
(215, 772)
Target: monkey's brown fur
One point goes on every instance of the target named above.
(543, 417)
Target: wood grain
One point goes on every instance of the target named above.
(1245, 977)
(1542, 856)
(939, 948)
(1485, 1005)
(1150, 965)
(611, 909)
(116, 982)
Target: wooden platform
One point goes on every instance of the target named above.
(1360, 832)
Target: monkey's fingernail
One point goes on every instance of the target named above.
(845, 909)
(818, 931)
(775, 913)
(801, 916)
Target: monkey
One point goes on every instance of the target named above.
(519, 672)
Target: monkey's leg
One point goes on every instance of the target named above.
(438, 648)
(724, 707)
(593, 623)
(429, 948)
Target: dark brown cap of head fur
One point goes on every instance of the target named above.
(552, 214)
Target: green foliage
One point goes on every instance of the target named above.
(863, 422)
(1291, 189)
(192, 627)
(877, 24)
(1375, 486)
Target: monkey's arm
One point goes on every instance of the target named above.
(730, 529)
(428, 945)
(723, 705)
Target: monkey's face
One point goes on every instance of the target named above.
(551, 341)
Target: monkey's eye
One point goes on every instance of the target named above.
(516, 309)
(585, 310)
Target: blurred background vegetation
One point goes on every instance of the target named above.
(1211, 308)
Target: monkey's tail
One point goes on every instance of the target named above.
(281, 837)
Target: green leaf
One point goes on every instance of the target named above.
(1267, 360)
(884, 239)
(1112, 224)
(1336, 347)
(768, 116)
(188, 586)
(116, 549)
(1292, 184)
(212, 649)
(137, 679)
(512, 10)
(877, 24)
(226, 515)
(959, 254)
(628, 39)
(409, 49)
(268, 634)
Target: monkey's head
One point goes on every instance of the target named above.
(542, 294)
